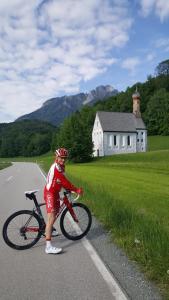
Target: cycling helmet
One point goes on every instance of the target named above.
(61, 152)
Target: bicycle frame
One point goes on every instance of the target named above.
(23, 229)
(65, 203)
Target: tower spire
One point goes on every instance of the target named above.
(136, 103)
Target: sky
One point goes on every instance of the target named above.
(52, 48)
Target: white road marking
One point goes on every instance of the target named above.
(114, 287)
(41, 172)
(9, 178)
(107, 276)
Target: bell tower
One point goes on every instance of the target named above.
(136, 104)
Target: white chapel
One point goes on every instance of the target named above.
(118, 132)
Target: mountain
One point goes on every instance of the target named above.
(55, 110)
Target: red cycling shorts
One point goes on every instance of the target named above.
(52, 202)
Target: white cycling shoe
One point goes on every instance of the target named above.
(53, 250)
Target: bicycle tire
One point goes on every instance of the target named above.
(15, 237)
(71, 229)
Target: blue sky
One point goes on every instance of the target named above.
(55, 47)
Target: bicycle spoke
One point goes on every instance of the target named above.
(14, 233)
(72, 229)
(22, 230)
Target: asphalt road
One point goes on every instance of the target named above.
(77, 273)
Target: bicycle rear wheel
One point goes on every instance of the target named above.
(22, 230)
(75, 230)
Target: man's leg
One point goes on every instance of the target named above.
(51, 217)
(52, 207)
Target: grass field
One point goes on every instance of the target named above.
(129, 194)
(158, 143)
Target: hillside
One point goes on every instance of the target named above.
(57, 109)
(25, 138)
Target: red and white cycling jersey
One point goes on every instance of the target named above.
(57, 180)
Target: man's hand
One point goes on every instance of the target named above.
(79, 191)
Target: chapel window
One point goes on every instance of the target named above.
(128, 140)
(115, 140)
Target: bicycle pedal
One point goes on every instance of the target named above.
(53, 236)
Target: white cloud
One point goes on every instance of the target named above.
(49, 47)
(161, 8)
(131, 63)
(162, 43)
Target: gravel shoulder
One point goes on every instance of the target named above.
(125, 271)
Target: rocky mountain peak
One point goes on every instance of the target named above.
(55, 110)
(99, 93)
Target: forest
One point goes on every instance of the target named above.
(25, 138)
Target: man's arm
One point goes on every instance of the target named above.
(66, 183)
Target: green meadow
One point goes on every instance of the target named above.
(129, 194)
(158, 143)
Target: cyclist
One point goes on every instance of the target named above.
(55, 181)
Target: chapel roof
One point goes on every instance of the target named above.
(120, 122)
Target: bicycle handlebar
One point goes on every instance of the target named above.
(77, 196)
(70, 192)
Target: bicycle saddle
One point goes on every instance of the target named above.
(30, 194)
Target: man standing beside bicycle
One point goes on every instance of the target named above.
(56, 180)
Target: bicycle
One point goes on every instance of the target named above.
(23, 229)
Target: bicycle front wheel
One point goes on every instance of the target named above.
(22, 230)
(75, 230)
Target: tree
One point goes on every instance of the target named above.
(38, 144)
(162, 68)
(75, 135)
(157, 113)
